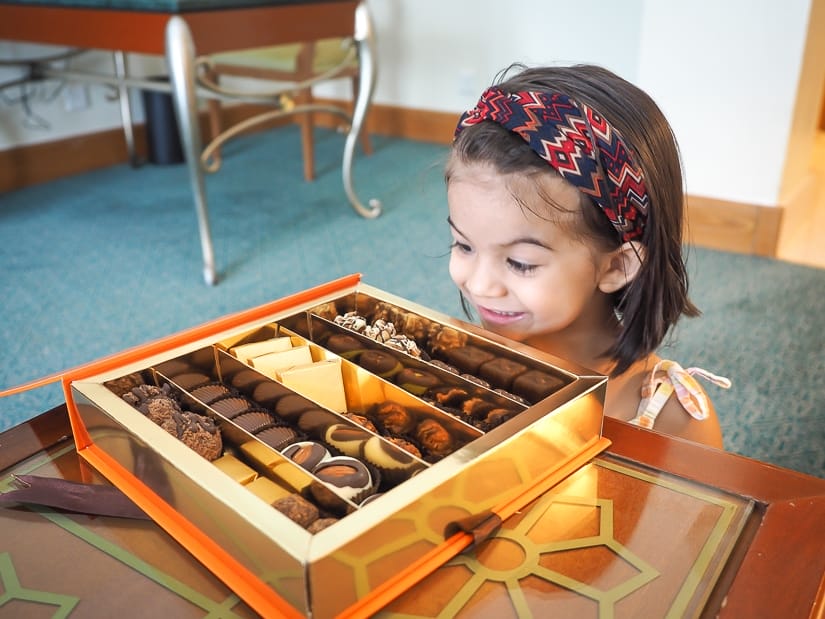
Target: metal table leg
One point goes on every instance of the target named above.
(180, 56)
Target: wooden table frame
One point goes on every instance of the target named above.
(176, 36)
(776, 570)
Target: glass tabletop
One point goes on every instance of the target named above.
(615, 539)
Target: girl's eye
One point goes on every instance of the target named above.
(462, 247)
(521, 267)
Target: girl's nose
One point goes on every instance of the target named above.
(483, 282)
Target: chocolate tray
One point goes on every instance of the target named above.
(455, 427)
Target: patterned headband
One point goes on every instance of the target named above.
(561, 132)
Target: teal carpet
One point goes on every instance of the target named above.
(99, 262)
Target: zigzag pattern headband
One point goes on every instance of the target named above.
(562, 132)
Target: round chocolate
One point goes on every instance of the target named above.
(231, 406)
(190, 380)
(349, 477)
(307, 454)
(277, 437)
(253, 421)
(315, 421)
(210, 392)
(268, 393)
(380, 363)
(347, 439)
(246, 379)
(416, 381)
(387, 457)
(290, 407)
(345, 345)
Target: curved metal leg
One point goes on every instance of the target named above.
(121, 72)
(365, 41)
(180, 56)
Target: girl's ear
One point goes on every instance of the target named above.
(621, 266)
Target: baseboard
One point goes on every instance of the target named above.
(717, 224)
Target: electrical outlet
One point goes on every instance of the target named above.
(76, 97)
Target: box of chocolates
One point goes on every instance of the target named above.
(323, 452)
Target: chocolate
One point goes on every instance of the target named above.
(468, 358)
(346, 439)
(210, 392)
(268, 393)
(535, 385)
(290, 407)
(190, 380)
(393, 417)
(298, 509)
(445, 366)
(246, 379)
(321, 524)
(434, 439)
(316, 420)
(349, 477)
(393, 462)
(253, 421)
(278, 437)
(345, 346)
(307, 454)
(232, 406)
(404, 444)
(501, 372)
(124, 384)
(496, 417)
(362, 421)
(380, 363)
(416, 381)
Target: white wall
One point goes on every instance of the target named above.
(725, 73)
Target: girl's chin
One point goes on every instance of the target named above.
(509, 333)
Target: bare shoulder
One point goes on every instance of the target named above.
(676, 421)
(624, 394)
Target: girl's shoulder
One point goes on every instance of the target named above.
(674, 402)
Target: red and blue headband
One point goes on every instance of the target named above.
(562, 133)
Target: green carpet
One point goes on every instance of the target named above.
(106, 260)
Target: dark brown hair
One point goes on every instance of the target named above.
(658, 296)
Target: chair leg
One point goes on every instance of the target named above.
(213, 107)
(305, 120)
(365, 138)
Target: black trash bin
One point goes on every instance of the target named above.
(162, 135)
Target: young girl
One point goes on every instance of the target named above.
(566, 204)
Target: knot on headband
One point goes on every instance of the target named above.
(563, 132)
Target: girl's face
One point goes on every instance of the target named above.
(528, 278)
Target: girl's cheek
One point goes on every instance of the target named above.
(458, 269)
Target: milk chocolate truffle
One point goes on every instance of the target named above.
(321, 524)
(416, 381)
(346, 439)
(124, 384)
(197, 432)
(349, 477)
(501, 372)
(298, 509)
(307, 454)
(345, 345)
(535, 385)
(434, 438)
(393, 417)
(380, 363)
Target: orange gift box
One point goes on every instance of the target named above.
(439, 505)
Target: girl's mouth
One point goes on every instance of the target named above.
(491, 316)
